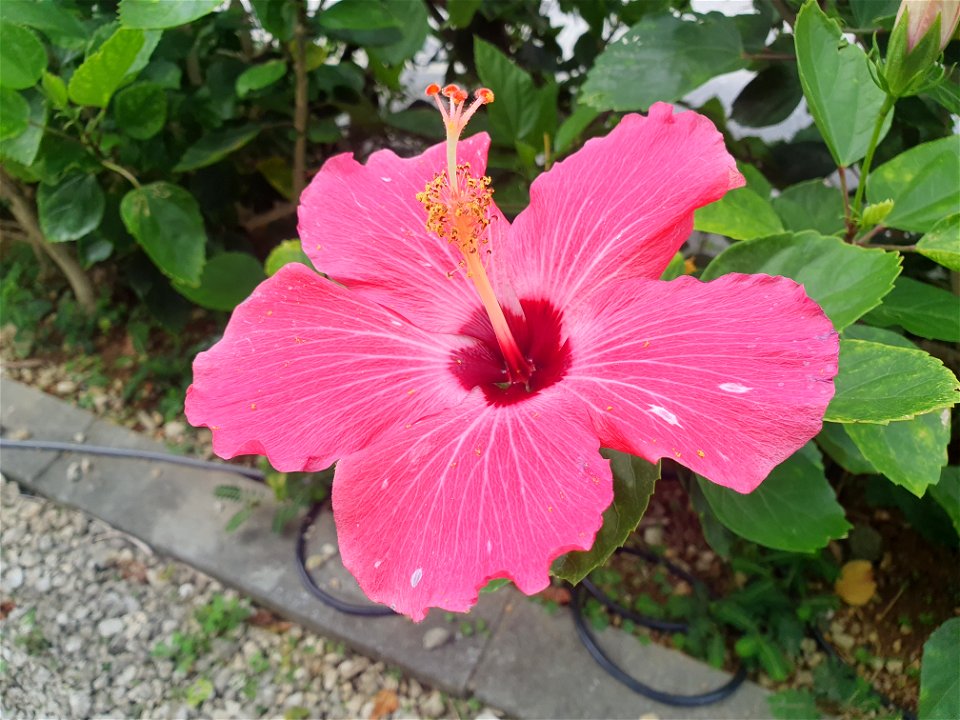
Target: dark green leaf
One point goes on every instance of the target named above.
(881, 383)
(235, 521)
(364, 22)
(573, 126)
(289, 251)
(741, 214)
(141, 110)
(940, 673)
(837, 83)
(656, 61)
(811, 205)
(866, 13)
(942, 243)
(159, 14)
(923, 182)
(794, 509)
(877, 335)
(919, 308)
(24, 147)
(260, 76)
(755, 180)
(277, 17)
(22, 57)
(413, 20)
(48, 17)
(838, 445)
(769, 98)
(118, 60)
(633, 482)
(165, 219)
(215, 147)
(947, 494)
(910, 453)
(227, 280)
(71, 209)
(513, 116)
(14, 114)
(846, 280)
(461, 12)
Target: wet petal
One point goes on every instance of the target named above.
(619, 207)
(429, 514)
(728, 378)
(307, 372)
(364, 227)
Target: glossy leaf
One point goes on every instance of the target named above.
(260, 76)
(165, 220)
(227, 280)
(215, 147)
(846, 280)
(141, 110)
(920, 308)
(513, 115)
(633, 483)
(654, 61)
(14, 113)
(48, 17)
(23, 147)
(159, 14)
(364, 22)
(71, 209)
(880, 384)
(940, 673)
(22, 57)
(947, 494)
(119, 59)
(769, 98)
(942, 243)
(794, 509)
(811, 205)
(923, 182)
(741, 214)
(286, 252)
(841, 94)
(834, 441)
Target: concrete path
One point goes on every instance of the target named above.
(528, 663)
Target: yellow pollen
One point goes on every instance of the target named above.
(700, 453)
(253, 406)
(458, 213)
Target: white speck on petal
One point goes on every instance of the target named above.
(386, 179)
(489, 547)
(397, 323)
(377, 564)
(415, 578)
(665, 414)
(384, 484)
(735, 388)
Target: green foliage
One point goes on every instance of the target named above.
(227, 280)
(741, 214)
(22, 57)
(942, 243)
(154, 15)
(119, 59)
(940, 673)
(921, 309)
(218, 618)
(71, 209)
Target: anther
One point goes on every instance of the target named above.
(485, 95)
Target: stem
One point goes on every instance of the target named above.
(847, 219)
(120, 170)
(867, 237)
(301, 110)
(871, 149)
(23, 213)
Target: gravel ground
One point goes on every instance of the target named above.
(93, 624)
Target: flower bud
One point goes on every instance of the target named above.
(920, 17)
(921, 31)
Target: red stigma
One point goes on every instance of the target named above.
(432, 89)
(451, 91)
(485, 95)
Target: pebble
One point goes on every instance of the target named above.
(109, 628)
(433, 706)
(65, 387)
(436, 637)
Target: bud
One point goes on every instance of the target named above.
(921, 31)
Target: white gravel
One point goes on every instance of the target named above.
(86, 610)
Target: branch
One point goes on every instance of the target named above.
(24, 215)
(300, 110)
(277, 212)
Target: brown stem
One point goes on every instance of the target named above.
(277, 212)
(300, 109)
(769, 56)
(786, 13)
(23, 213)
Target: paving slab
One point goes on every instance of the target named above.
(528, 663)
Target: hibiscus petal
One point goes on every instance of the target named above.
(308, 371)
(431, 513)
(363, 226)
(619, 207)
(728, 377)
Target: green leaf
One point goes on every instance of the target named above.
(794, 509)
(920, 308)
(141, 110)
(880, 384)
(841, 94)
(277, 17)
(24, 147)
(923, 182)
(755, 180)
(793, 704)
(947, 494)
(942, 243)
(811, 205)
(289, 251)
(14, 114)
(866, 13)
(769, 98)
(877, 335)
(165, 219)
(940, 673)
(22, 57)
(227, 280)
(911, 453)
(573, 126)
(656, 61)
(513, 116)
(362, 22)
(55, 89)
(741, 214)
(71, 209)
(633, 482)
(413, 19)
(48, 17)
(675, 268)
(160, 14)
(119, 59)
(846, 280)
(260, 76)
(215, 147)
(838, 445)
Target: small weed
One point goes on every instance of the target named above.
(217, 618)
(31, 638)
(199, 692)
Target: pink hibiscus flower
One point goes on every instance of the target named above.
(465, 370)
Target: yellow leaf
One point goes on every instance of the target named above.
(856, 585)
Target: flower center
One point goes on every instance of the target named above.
(458, 211)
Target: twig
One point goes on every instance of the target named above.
(120, 170)
(300, 108)
(277, 212)
(890, 604)
(789, 17)
(870, 235)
